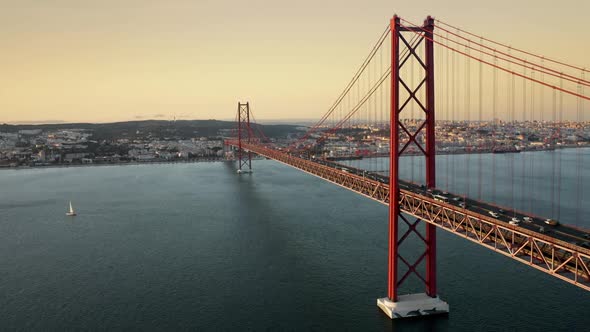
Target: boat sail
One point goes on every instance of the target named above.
(71, 212)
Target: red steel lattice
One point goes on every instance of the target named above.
(427, 128)
(244, 136)
(561, 259)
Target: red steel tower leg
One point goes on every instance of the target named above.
(244, 134)
(393, 165)
(396, 306)
(430, 155)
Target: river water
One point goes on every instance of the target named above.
(197, 247)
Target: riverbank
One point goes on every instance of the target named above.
(220, 159)
(130, 163)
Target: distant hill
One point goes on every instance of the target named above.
(157, 128)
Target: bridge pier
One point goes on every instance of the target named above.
(413, 305)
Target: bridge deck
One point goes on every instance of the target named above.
(555, 250)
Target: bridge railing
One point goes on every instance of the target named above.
(561, 259)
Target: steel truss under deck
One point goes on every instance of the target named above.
(558, 258)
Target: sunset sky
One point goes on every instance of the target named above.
(100, 61)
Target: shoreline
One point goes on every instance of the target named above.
(132, 163)
(223, 159)
(446, 153)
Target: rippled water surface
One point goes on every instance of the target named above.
(197, 247)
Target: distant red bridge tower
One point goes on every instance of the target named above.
(244, 136)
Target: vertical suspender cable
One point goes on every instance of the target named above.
(494, 126)
(448, 91)
(479, 125)
(523, 127)
(455, 95)
(409, 123)
(467, 128)
(542, 128)
(510, 159)
(579, 133)
(531, 193)
(559, 155)
(440, 77)
(553, 152)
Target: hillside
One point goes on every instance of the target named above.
(155, 128)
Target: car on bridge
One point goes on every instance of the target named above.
(440, 198)
(552, 222)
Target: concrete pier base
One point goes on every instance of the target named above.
(413, 305)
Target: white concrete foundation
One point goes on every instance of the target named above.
(413, 305)
(242, 171)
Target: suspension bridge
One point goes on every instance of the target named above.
(431, 89)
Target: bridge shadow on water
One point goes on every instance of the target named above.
(278, 286)
(301, 261)
(312, 256)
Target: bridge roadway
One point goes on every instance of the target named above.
(526, 220)
(557, 250)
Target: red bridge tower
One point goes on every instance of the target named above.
(395, 305)
(244, 134)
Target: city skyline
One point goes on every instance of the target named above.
(72, 62)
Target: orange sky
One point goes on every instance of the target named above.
(97, 61)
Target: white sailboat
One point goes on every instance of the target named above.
(71, 213)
